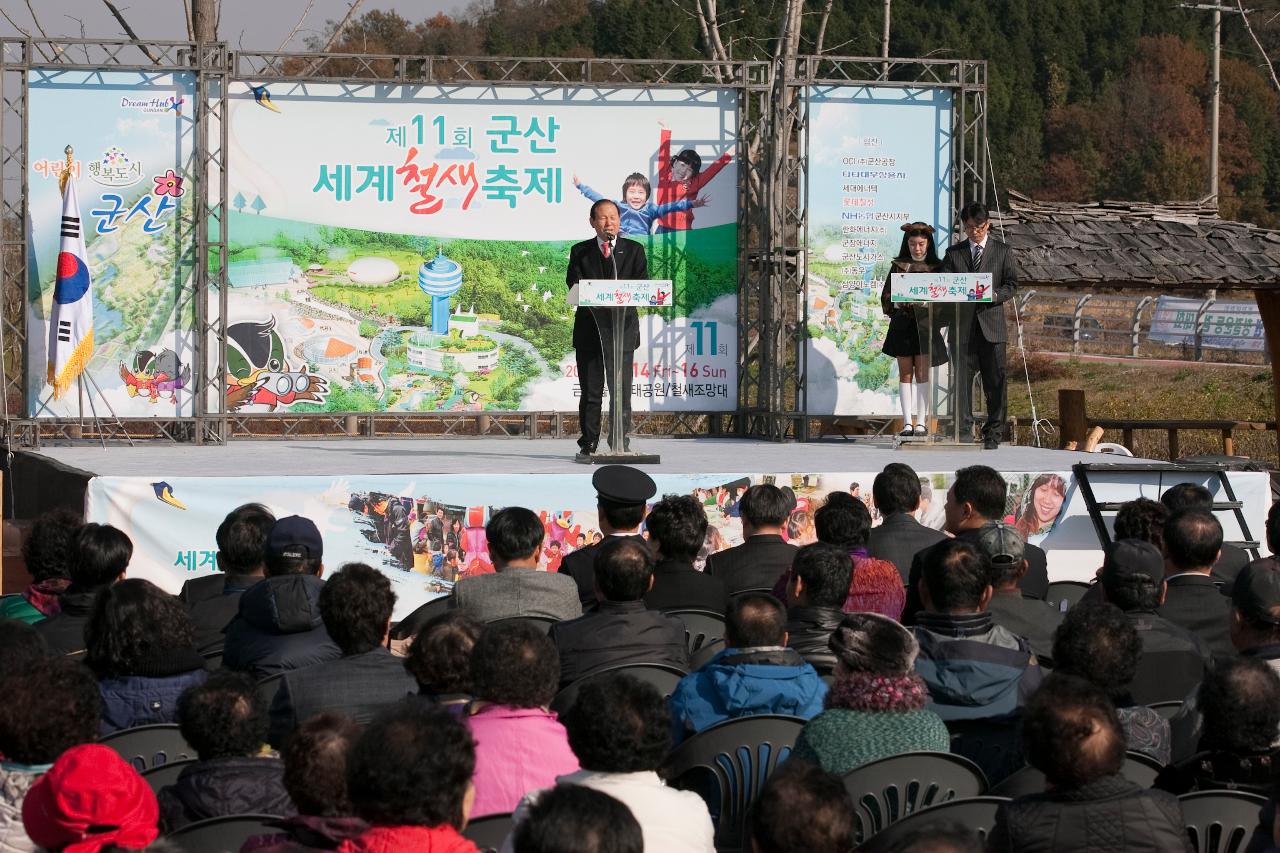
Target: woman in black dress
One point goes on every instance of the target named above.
(905, 339)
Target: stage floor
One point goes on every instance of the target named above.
(541, 456)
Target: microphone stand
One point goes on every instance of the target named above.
(617, 437)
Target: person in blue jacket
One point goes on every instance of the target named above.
(636, 211)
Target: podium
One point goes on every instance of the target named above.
(611, 298)
(941, 302)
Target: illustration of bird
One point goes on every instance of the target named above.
(257, 372)
(165, 493)
(263, 97)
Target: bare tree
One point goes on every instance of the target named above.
(26, 34)
(1266, 60)
(297, 26)
(129, 30)
(204, 20)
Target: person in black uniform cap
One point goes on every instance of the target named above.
(622, 494)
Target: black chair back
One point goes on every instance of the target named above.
(660, 675)
(540, 622)
(994, 744)
(977, 813)
(1221, 821)
(490, 831)
(886, 791)
(1064, 595)
(700, 626)
(223, 834)
(149, 746)
(1139, 768)
(1168, 710)
(728, 764)
(408, 627)
(165, 774)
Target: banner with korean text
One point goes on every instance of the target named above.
(403, 249)
(879, 158)
(132, 139)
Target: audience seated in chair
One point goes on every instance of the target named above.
(1254, 624)
(620, 729)
(899, 536)
(141, 646)
(516, 587)
(973, 668)
(1030, 618)
(46, 552)
(355, 606)
(1192, 496)
(1240, 704)
(977, 496)
(764, 554)
(755, 674)
(622, 497)
(214, 599)
(820, 576)
(1193, 599)
(938, 837)
(1140, 518)
(575, 819)
(520, 745)
(801, 809)
(278, 625)
(619, 629)
(1098, 643)
(1173, 659)
(99, 556)
(1072, 735)
(677, 526)
(226, 724)
(91, 800)
(315, 775)
(876, 707)
(49, 706)
(409, 776)
(440, 660)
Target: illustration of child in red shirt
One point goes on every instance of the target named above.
(681, 178)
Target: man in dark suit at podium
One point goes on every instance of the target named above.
(981, 327)
(604, 256)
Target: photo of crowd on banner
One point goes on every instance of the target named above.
(446, 542)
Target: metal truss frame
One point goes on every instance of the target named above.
(772, 221)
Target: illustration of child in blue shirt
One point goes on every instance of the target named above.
(636, 213)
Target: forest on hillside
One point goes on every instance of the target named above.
(1088, 99)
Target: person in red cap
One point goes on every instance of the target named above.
(91, 799)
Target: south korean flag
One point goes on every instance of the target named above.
(71, 320)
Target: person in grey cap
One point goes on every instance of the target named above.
(622, 494)
(1030, 618)
(1173, 659)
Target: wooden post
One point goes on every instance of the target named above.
(1228, 442)
(352, 425)
(1173, 444)
(1269, 307)
(1073, 421)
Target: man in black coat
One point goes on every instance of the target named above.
(619, 629)
(976, 497)
(622, 494)
(899, 537)
(677, 527)
(1193, 600)
(981, 332)
(604, 256)
(1233, 558)
(214, 600)
(820, 578)
(764, 556)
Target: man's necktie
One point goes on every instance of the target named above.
(605, 249)
(977, 256)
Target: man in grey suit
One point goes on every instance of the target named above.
(899, 537)
(981, 332)
(356, 606)
(517, 588)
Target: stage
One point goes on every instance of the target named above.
(170, 498)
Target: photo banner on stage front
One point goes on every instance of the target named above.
(403, 248)
(132, 135)
(879, 157)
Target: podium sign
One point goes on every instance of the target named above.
(940, 287)
(624, 293)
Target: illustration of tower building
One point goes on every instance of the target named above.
(440, 278)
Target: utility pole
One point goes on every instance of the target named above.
(1216, 86)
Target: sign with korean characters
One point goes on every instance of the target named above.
(132, 138)
(404, 248)
(940, 287)
(612, 293)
